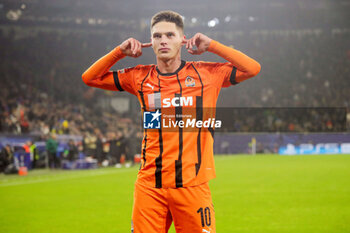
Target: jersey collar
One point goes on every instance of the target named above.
(183, 63)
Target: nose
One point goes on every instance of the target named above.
(163, 40)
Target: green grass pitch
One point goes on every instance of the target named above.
(265, 194)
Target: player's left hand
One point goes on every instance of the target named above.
(199, 40)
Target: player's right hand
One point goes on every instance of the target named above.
(133, 48)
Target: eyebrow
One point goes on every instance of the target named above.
(157, 33)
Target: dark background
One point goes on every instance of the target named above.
(45, 46)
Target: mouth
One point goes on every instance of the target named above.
(164, 49)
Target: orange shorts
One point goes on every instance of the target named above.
(190, 208)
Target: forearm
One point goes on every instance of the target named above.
(238, 59)
(102, 66)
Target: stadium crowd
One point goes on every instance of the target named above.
(47, 94)
(105, 135)
(42, 92)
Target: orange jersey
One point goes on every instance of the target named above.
(179, 158)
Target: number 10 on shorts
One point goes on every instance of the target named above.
(205, 216)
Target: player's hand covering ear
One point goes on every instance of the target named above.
(199, 40)
(133, 48)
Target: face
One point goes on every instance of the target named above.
(166, 40)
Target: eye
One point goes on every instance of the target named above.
(156, 36)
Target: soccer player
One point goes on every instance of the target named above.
(172, 183)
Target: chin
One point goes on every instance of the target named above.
(164, 57)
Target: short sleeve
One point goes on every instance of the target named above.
(224, 74)
(228, 72)
(124, 80)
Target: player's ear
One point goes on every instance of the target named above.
(184, 40)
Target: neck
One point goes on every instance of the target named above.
(168, 66)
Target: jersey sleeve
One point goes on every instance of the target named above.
(239, 68)
(221, 74)
(225, 75)
(98, 74)
(124, 80)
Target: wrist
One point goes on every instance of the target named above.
(208, 44)
(118, 53)
(213, 46)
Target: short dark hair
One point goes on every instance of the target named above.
(168, 16)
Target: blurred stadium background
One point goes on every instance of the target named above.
(298, 104)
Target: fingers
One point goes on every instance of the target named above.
(133, 48)
(198, 44)
(137, 48)
(188, 43)
(192, 42)
(132, 45)
(145, 45)
(137, 54)
(194, 52)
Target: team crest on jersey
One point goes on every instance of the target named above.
(189, 81)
